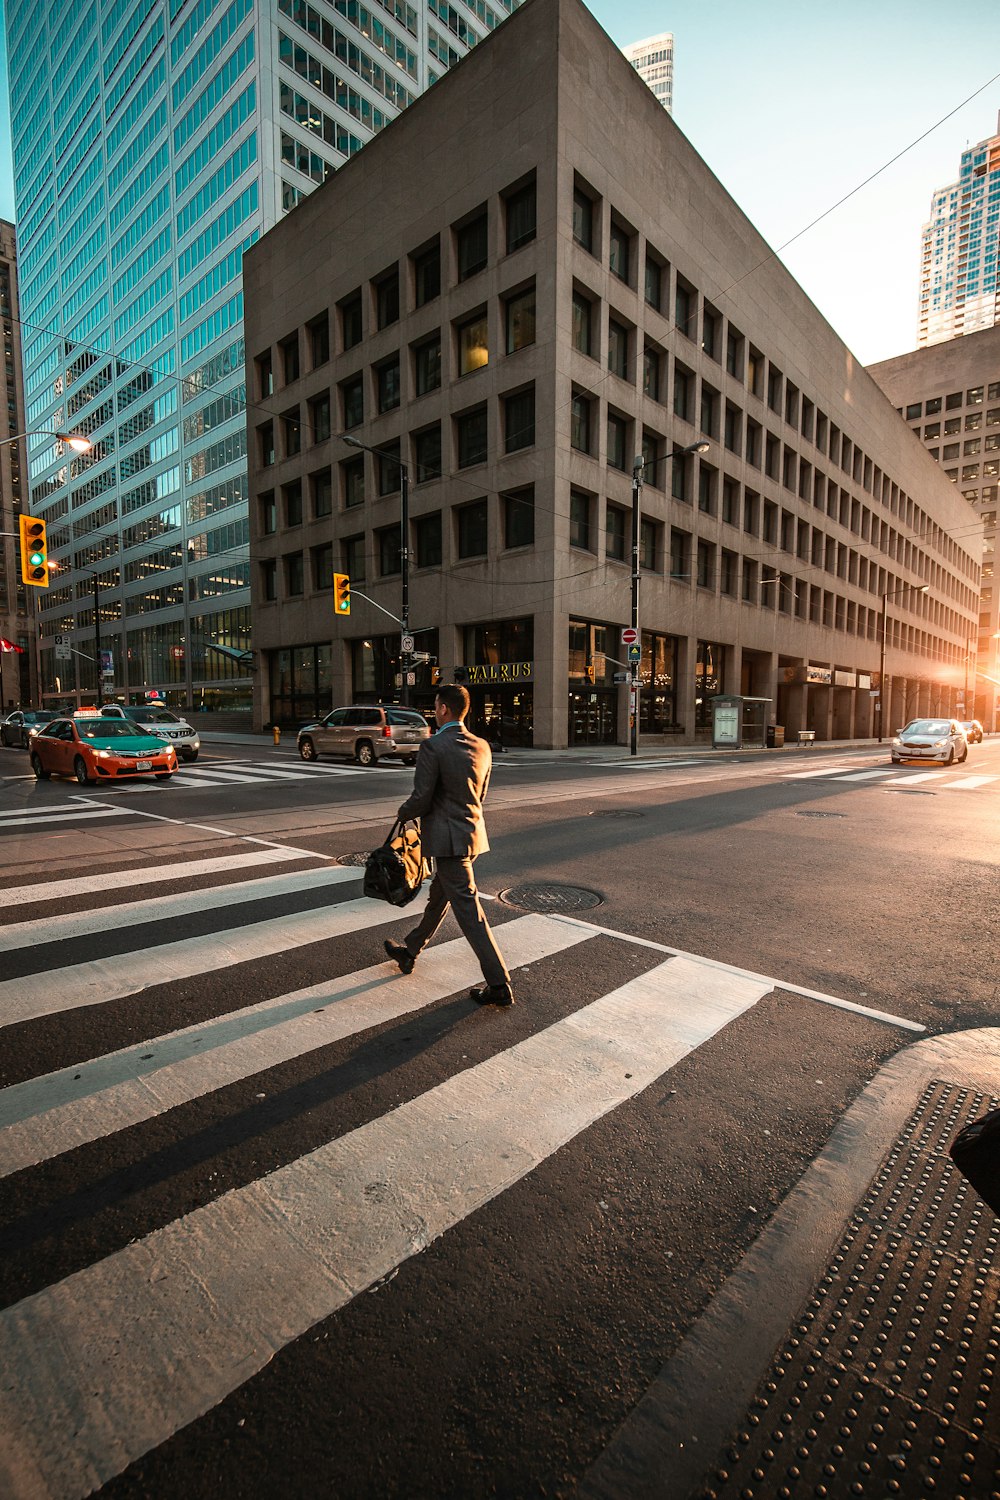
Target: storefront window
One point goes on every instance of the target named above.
(657, 699)
(708, 681)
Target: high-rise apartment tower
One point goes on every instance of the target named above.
(958, 258)
(653, 60)
(154, 142)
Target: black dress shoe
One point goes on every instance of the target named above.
(492, 994)
(401, 955)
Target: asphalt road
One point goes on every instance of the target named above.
(348, 1235)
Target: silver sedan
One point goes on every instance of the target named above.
(931, 739)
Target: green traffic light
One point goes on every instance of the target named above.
(36, 559)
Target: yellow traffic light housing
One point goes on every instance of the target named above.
(341, 594)
(34, 552)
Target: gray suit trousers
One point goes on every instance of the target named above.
(454, 885)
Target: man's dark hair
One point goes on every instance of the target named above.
(455, 699)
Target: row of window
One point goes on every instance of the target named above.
(417, 283)
(956, 399)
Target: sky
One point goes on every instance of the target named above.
(794, 104)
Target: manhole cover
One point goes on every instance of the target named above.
(548, 898)
(352, 859)
(615, 812)
(821, 815)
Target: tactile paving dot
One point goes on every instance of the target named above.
(887, 1387)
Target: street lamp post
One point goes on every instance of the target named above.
(922, 589)
(638, 465)
(404, 557)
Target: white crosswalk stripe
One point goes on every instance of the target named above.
(897, 777)
(217, 1291)
(252, 773)
(58, 815)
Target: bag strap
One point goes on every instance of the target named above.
(398, 827)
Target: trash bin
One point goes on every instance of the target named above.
(775, 736)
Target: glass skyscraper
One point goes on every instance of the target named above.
(959, 246)
(154, 142)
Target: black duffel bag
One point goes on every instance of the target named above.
(976, 1153)
(396, 871)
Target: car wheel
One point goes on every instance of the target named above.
(189, 757)
(409, 760)
(163, 775)
(951, 757)
(364, 753)
(40, 772)
(307, 749)
(80, 771)
(965, 754)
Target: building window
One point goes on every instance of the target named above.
(265, 443)
(321, 489)
(684, 309)
(617, 442)
(519, 320)
(268, 512)
(520, 207)
(683, 392)
(734, 353)
(727, 574)
(470, 428)
(388, 468)
(387, 298)
(730, 501)
(617, 348)
(472, 529)
(519, 518)
(680, 555)
(473, 348)
(653, 285)
(472, 245)
(291, 432)
(651, 367)
(427, 365)
(428, 538)
(707, 480)
(519, 420)
(680, 478)
(265, 375)
(427, 275)
(387, 377)
(706, 565)
(389, 545)
(649, 545)
(319, 418)
(580, 434)
(352, 479)
(733, 428)
(711, 331)
(352, 402)
(583, 220)
(582, 319)
(291, 496)
(580, 507)
(350, 321)
(269, 579)
(295, 575)
(319, 340)
(323, 567)
(427, 453)
(353, 548)
(290, 359)
(618, 253)
(615, 528)
(709, 411)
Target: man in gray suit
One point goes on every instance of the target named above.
(449, 786)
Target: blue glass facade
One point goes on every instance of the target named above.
(154, 142)
(958, 274)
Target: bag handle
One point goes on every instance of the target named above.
(399, 825)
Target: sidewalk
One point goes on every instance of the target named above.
(854, 1350)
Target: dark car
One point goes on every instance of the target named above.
(16, 728)
(369, 732)
(973, 731)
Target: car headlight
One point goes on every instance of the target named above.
(941, 744)
(105, 754)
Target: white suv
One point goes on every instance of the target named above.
(160, 720)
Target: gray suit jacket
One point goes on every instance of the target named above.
(449, 787)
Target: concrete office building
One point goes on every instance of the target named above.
(18, 682)
(653, 60)
(959, 249)
(511, 314)
(154, 141)
(949, 395)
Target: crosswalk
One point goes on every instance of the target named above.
(142, 1333)
(897, 778)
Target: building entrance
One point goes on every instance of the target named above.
(593, 715)
(503, 716)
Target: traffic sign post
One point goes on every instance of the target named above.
(629, 635)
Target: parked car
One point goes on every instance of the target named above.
(16, 728)
(931, 739)
(973, 731)
(94, 748)
(369, 732)
(161, 721)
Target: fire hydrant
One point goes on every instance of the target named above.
(277, 734)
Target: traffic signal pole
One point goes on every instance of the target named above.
(98, 667)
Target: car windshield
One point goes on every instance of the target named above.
(109, 729)
(404, 716)
(156, 716)
(928, 726)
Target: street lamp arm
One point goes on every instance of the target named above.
(74, 440)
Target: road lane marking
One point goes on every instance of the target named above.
(773, 983)
(122, 974)
(909, 778)
(68, 890)
(73, 814)
(883, 775)
(119, 1356)
(63, 926)
(43, 1117)
(967, 783)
